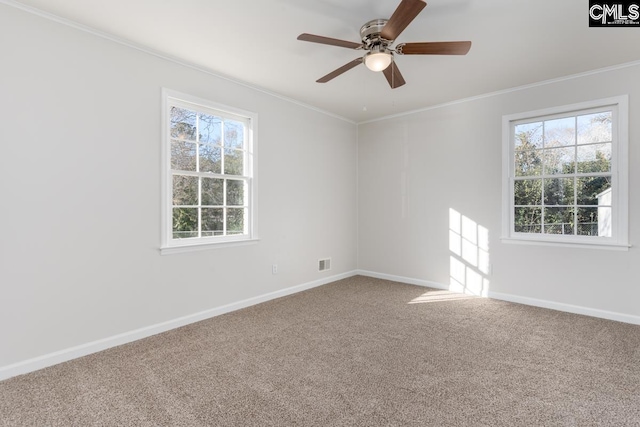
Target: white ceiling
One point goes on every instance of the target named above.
(515, 43)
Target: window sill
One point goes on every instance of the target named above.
(566, 244)
(193, 247)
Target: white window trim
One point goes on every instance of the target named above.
(619, 172)
(169, 245)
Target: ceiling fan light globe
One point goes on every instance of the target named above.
(377, 61)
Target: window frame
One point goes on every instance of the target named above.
(169, 244)
(619, 105)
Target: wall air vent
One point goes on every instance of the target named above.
(324, 264)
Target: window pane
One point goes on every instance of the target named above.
(183, 155)
(528, 163)
(528, 136)
(558, 221)
(185, 223)
(594, 190)
(235, 220)
(588, 221)
(183, 124)
(212, 222)
(594, 221)
(233, 134)
(528, 220)
(594, 128)
(559, 132)
(559, 160)
(210, 158)
(212, 193)
(528, 192)
(185, 190)
(559, 191)
(233, 162)
(594, 158)
(210, 129)
(235, 192)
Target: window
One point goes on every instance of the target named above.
(565, 174)
(208, 167)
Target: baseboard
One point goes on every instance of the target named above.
(576, 309)
(593, 312)
(402, 279)
(65, 355)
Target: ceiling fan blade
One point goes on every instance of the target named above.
(434, 48)
(392, 73)
(328, 40)
(406, 11)
(340, 70)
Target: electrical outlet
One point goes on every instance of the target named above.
(274, 269)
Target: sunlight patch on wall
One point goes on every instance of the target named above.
(469, 263)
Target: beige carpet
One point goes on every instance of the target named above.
(358, 352)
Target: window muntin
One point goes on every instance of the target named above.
(209, 173)
(566, 176)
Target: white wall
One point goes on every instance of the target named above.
(415, 168)
(80, 192)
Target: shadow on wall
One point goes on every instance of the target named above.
(469, 263)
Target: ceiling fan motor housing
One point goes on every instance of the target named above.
(370, 34)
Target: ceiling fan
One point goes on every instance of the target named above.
(377, 37)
